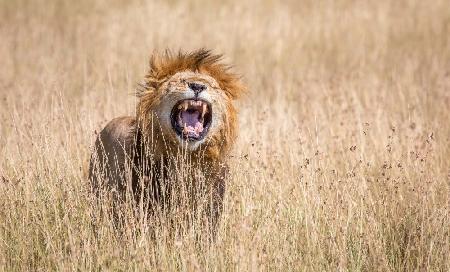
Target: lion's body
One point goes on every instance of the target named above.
(144, 153)
(120, 160)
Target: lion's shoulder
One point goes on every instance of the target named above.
(114, 145)
(118, 134)
(120, 128)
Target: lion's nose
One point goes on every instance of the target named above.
(197, 87)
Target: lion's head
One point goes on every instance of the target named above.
(187, 99)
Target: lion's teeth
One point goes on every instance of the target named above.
(204, 110)
(183, 106)
(195, 105)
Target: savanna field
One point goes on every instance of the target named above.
(343, 156)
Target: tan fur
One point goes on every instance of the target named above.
(131, 142)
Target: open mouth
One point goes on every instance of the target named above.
(191, 119)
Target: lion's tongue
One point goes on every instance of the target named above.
(191, 123)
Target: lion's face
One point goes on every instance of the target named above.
(193, 109)
(191, 98)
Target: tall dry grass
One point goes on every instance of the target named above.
(343, 160)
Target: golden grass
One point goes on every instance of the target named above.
(343, 160)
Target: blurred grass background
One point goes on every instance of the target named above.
(343, 159)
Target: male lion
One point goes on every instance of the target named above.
(185, 113)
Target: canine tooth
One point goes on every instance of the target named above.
(183, 105)
(204, 110)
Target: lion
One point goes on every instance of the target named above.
(185, 110)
